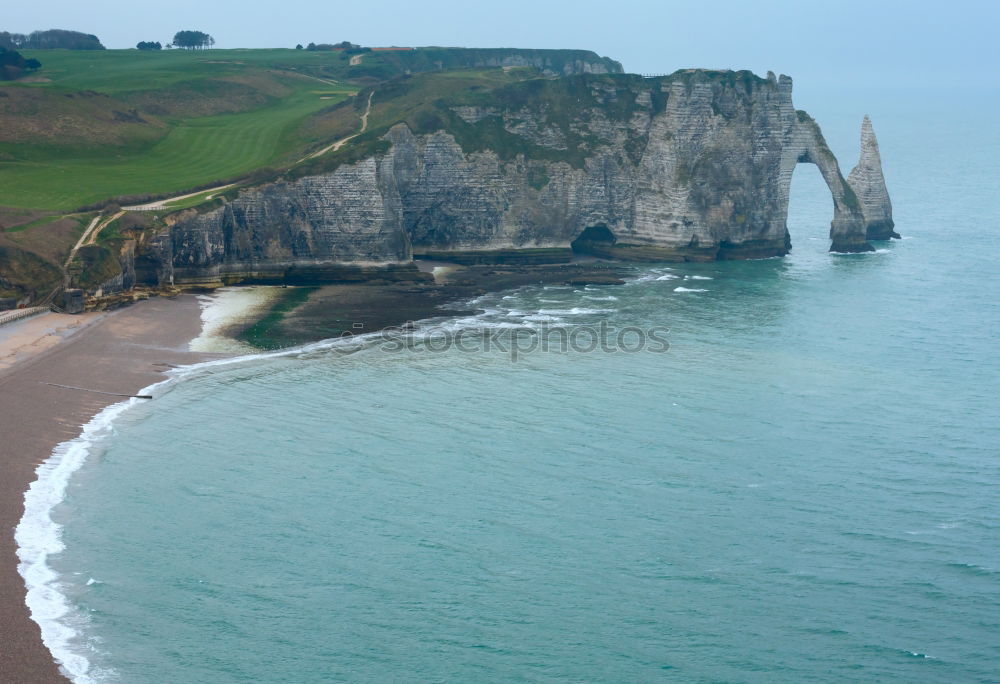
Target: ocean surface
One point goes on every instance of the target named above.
(804, 487)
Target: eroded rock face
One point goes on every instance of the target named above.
(318, 228)
(868, 183)
(695, 166)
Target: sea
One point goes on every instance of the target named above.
(782, 470)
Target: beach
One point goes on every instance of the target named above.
(44, 360)
(118, 352)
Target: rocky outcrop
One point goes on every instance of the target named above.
(322, 228)
(868, 183)
(695, 166)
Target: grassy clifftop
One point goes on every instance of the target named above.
(99, 124)
(96, 125)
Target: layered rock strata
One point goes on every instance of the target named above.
(691, 167)
(868, 183)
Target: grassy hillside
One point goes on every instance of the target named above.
(92, 125)
(110, 123)
(95, 126)
(193, 152)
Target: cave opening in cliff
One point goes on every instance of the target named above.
(596, 240)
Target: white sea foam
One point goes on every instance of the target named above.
(609, 298)
(39, 537)
(688, 289)
(668, 276)
(644, 278)
(225, 307)
(698, 277)
(575, 311)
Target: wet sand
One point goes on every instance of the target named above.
(112, 352)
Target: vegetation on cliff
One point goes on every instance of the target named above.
(104, 125)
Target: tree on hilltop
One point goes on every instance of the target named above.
(148, 45)
(193, 40)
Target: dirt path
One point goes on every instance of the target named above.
(161, 204)
(92, 239)
(321, 80)
(356, 60)
(82, 241)
(340, 143)
(89, 237)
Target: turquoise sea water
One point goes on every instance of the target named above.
(806, 487)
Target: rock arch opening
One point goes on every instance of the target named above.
(810, 207)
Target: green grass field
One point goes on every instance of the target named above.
(94, 125)
(193, 151)
(91, 127)
(123, 71)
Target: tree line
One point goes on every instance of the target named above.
(187, 40)
(51, 39)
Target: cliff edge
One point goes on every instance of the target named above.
(693, 166)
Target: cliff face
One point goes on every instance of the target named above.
(313, 226)
(695, 166)
(868, 184)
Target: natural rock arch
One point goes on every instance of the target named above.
(862, 210)
(847, 230)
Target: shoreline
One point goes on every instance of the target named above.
(128, 349)
(111, 352)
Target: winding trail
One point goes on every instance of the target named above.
(89, 237)
(92, 238)
(162, 204)
(82, 241)
(340, 143)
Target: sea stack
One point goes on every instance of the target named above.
(868, 184)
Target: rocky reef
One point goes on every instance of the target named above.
(694, 166)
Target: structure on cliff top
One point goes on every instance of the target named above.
(694, 166)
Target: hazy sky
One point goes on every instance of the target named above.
(907, 42)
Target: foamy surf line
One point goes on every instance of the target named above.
(226, 307)
(38, 537)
